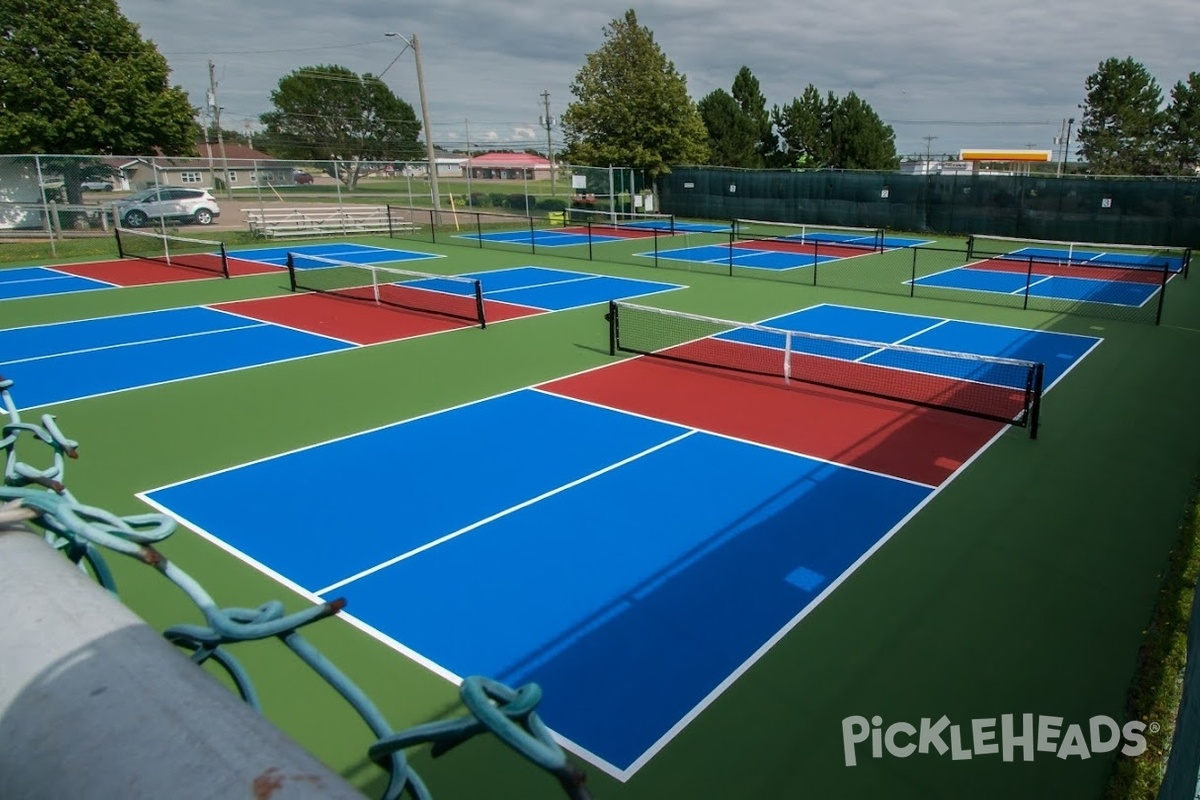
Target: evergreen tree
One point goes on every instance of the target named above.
(632, 108)
(1122, 120)
(750, 99)
(859, 139)
(732, 136)
(1181, 130)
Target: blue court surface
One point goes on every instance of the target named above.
(578, 233)
(1151, 261)
(336, 251)
(541, 237)
(74, 360)
(747, 256)
(583, 555)
(775, 255)
(1133, 294)
(1057, 351)
(41, 281)
(561, 289)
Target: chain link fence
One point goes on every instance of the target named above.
(52, 198)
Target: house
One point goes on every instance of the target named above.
(510, 166)
(448, 165)
(244, 166)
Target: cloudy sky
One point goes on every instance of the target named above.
(967, 72)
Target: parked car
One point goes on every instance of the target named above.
(301, 177)
(96, 186)
(167, 202)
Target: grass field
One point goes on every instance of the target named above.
(1025, 586)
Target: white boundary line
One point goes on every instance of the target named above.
(541, 389)
(622, 775)
(138, 343)
(745, 666)
(504, 513)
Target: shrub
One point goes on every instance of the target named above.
(551, 204)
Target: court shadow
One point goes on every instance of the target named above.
(593, 348)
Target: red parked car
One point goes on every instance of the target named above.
(301, 177)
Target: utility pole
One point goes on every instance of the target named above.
(928, 142)
(216, 109)
(548, 121)
(470, 166)
(1064, 142)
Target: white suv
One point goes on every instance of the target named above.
(167, 202)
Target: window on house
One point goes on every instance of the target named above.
(189, 177)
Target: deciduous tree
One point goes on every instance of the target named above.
(76, 78)
(333, 114)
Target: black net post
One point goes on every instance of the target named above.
(1035, 399)
(391, 231)
(120, 249)
(590, 255)
(611, 316)
(1028, 281)
(912, 284)
(532, 236)
(732, 239)
(291, 266)
(1187, 261)
(224, 261)
(816, 260)
(479, 304)
(655, 231)
(1162, 291)
(970, 247)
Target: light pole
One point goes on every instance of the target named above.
(429, 154)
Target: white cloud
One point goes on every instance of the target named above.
(961, 70)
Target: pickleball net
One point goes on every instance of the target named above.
(1071, 253)
(442, 295)
(859, 238)
(619, 220)
(1005, 390)
(176, 251)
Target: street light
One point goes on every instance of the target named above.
(429, 154)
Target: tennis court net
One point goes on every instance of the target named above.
(176, 251)
(1127, 256)
(443, 295)
(790, 233)
(1001, 389)
(619, 220)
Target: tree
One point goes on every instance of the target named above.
(732, 137)
(332, 113)
(1122, 120)
(749, 97)
(632, 107)
(1181, 129)
(859, 139)
(805, 127)
(841, 134)
(76, 78)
